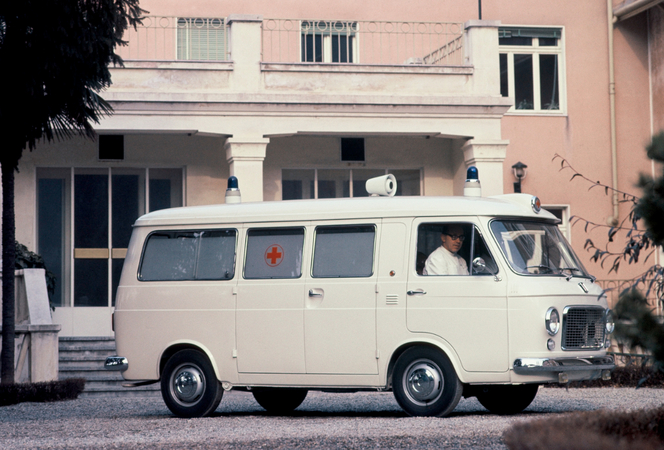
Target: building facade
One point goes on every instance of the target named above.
(307, 100)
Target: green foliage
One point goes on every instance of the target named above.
(650, 206)
(26, 259)
(44, 391)
(591, 430)
(55, 56)
(637, 325)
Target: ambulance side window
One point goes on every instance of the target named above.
(189, 255)
(274, 253)
(344, 251)
(473, 245)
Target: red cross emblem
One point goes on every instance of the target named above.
(274, 255)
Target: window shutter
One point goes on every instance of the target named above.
(531, 32)
(201, 39)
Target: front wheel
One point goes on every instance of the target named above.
(507, 399)
(425, 383)
(279, 400)
(189, 385)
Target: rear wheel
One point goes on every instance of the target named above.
(507, 399)
(189, 385)
(279, 400)
(425, 383)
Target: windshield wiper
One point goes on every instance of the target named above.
(571, 269)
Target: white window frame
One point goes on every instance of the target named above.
(536, 50)
(187, 28)
(326, 33)
(350, 178)
(564, 226)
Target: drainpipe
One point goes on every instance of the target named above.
(613, 220)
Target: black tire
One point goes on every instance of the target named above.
(507, 399)
(425, 383)
(279, 400)
(189, 385)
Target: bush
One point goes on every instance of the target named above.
(592, 430)
(45, 391)
(625, 376)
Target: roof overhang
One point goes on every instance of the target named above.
(630, 8)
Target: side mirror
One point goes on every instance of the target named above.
(480, 266)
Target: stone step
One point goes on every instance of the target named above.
(119, 391)
(87, 347)
(88, 374)
(84, 357)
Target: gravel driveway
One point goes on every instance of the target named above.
(360, 420)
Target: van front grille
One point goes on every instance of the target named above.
(583, 328)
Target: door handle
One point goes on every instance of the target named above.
(315, 292)
(417, 292)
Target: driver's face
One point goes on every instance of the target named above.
(449, 242)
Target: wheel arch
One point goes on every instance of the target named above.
(175, 347)
(444, 350)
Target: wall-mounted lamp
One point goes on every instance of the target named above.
(519, 171)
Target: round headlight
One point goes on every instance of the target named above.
(552, 321)
(608, 320)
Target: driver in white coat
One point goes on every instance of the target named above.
(444, 260)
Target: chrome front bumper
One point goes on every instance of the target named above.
(117, 363)
(541, 366)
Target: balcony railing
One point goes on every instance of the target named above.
(176, 38)
(363, 42)
(289, 40)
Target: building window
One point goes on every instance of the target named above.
(201, 39)
(352, 149)
(297, 184)
(329, 41)
(562, 213)
(111, 147)
(531, 68)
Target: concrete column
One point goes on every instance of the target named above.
(245, 160)
(481, 51)
(245, 51)
(488, 157)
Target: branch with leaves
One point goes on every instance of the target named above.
(638, 240)
(638, 325)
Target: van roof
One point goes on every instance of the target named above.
(508, 205)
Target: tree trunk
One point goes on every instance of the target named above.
(8, 263)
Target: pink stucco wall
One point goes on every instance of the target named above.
(582, 136)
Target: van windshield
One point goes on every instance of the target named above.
(535, 248)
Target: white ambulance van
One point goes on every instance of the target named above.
(279, 298)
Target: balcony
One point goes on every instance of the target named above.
(294, 41)
(250, 55)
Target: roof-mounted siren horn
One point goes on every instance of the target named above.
(385, 185)
(472, 187)
(233, 191)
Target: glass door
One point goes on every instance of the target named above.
(84, 223)
(91, 237)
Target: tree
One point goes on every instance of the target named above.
(54, 58)
(637, 324)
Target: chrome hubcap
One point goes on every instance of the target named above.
(187, 384)
(423, 382)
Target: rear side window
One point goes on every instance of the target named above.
(189, 255)
(274, 253)
(344, 251)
